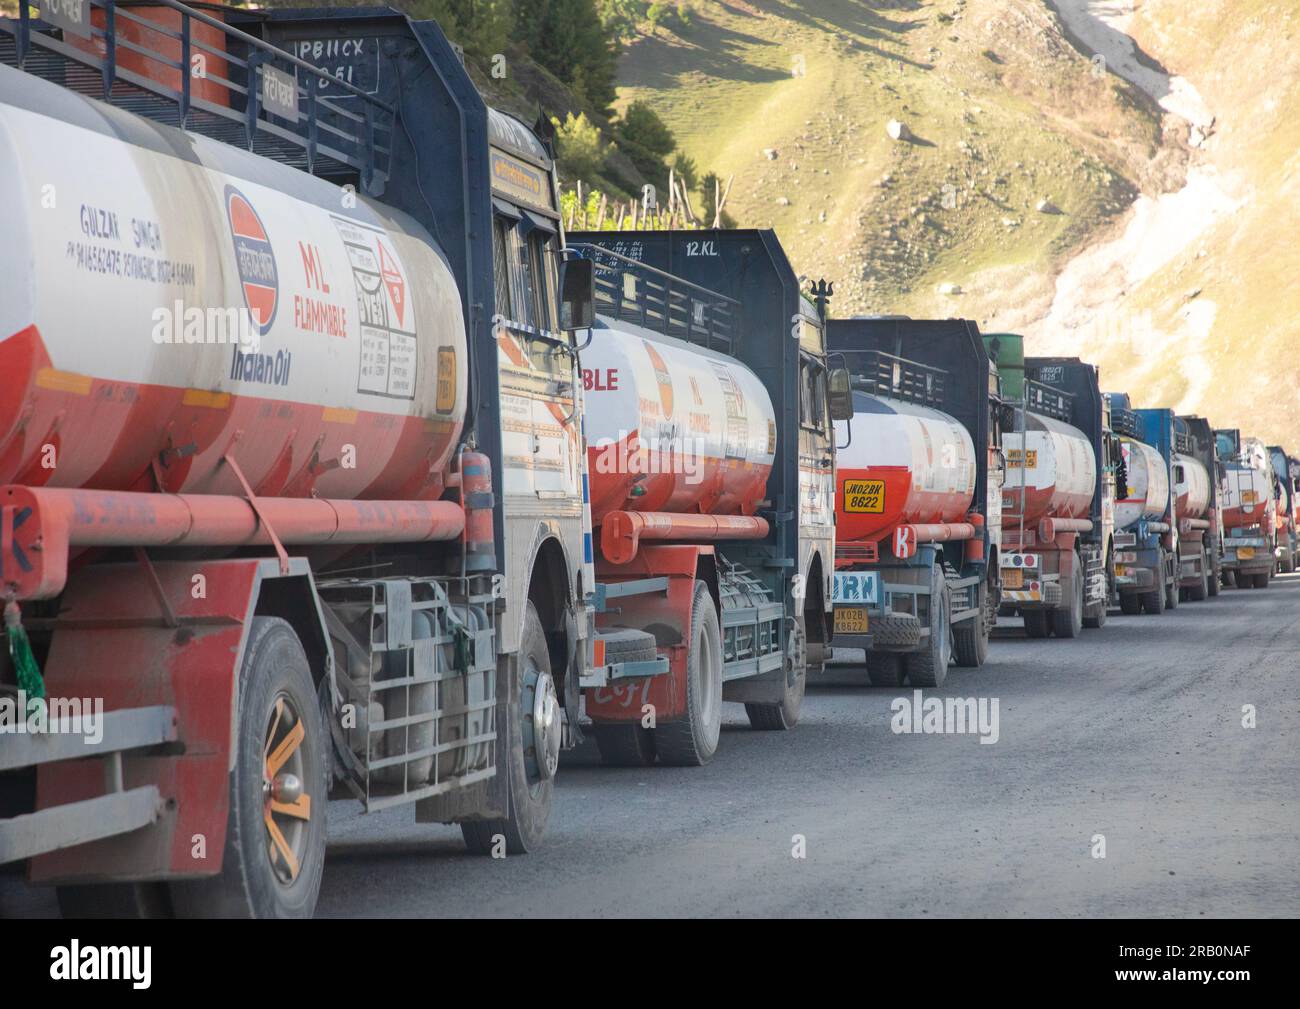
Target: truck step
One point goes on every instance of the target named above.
(77, 823)
(123, 729)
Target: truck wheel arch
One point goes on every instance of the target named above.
(293, 599)
(551, 594)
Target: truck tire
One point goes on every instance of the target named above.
(624, 744)
(1172, 595)
(626, 644)
(1229, 579)
(1201, 590)
(1038, 623)
(529, 789)
(929, 667)
(273, 860)
(779, 717)
(970, 641)
(1130, 603)
(1153, 602)
(885, 669)
(692, 741)
(1262, 579)
(1067, 622)
(1287, 564)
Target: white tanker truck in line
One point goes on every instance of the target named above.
(1249, 510)
(918, 493)
(710, 459)
(1058, 499)
(275, 485)
(1146, 527)
(1200, 518)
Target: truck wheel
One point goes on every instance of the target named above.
(1037, 623)
(1130, 603)
(1067, 621)
(1262, 579)
(1287, 564)
(1153, 602)
(1229, 579)
(692, 741)
(929, 668)
(532, 735)
(275, 833)
(1198, 592)
(624, 744)
(885, 669)
(1214, 574)
(970, 641)
(778, 717)
(1172, 595)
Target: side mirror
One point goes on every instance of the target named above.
(577, 294)
(840, 392)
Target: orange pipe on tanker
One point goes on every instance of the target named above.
(672, 427)
(1057, 466)
(1148, 484)
(904, 464)
(178, 305)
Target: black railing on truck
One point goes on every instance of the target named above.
(881, 374)
(1048, 401)
(632, 291)
(234, 88)
(1124, 422)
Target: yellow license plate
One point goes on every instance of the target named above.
(1120, 570)
(864, 496)
(850, 620)
(1245, 553)
(1012, 578)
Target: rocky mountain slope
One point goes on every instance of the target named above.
(1117, 180)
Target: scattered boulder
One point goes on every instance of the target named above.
(950, 288)
(771, 153)
(1046, 206)
(898, 130)
(782, 201)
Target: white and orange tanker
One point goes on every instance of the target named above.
(917, 500)
(710, 484)
(1196, 505)
(1250, 517)
(220, 371)
(1058, 513)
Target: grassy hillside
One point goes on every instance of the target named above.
(1002, 113)
(1173, 255)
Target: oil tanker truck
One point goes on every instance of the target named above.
(276, 490)
(1197, 483)
(1058, 499)
(1146, 531)
(918, 494)
(1249, 510)
(710, 461)
(1286, 469)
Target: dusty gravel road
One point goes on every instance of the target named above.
(1133, 732)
